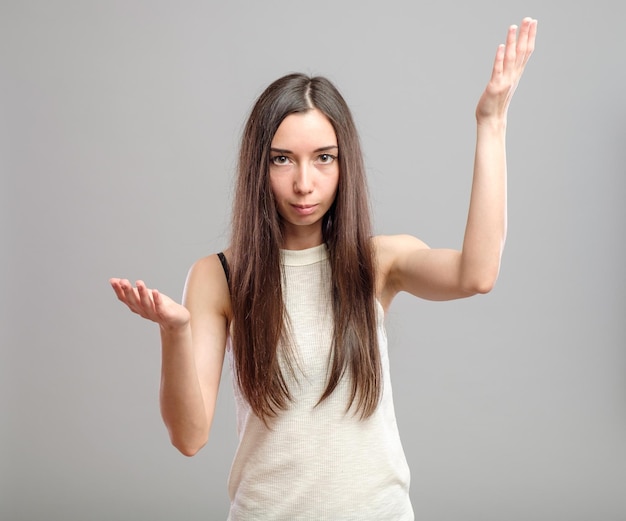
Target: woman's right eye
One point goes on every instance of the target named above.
(280, 160)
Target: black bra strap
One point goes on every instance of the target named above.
(224, 262)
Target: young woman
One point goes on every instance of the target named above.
(298, 303)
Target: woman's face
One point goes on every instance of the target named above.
(304, 174)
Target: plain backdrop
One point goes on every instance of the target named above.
(119, 128)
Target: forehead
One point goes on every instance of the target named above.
(310, 129)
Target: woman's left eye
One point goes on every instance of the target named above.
(326, 159)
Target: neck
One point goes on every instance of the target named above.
(301, 237)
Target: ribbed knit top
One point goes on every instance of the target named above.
(318, 462)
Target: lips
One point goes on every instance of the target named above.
(304, 209)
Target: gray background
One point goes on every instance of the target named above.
(119, 124)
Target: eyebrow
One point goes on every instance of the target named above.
(321, 149)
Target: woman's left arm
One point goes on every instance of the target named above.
(439, 274)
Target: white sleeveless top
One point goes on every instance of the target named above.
(318, 463)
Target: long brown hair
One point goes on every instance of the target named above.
(259, 318)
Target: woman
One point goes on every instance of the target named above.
(298, 303)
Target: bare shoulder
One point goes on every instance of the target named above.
(388, 252)
(206, 288)
(392, 245)
(388, 249)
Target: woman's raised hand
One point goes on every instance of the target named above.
(151, 304)
(511, 58)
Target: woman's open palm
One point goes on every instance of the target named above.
(151, 304)
(511, 59)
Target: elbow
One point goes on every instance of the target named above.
(186, 435)
(484, 286)
(478, 273)
(188, 450)
(187, 447)
(480, 285)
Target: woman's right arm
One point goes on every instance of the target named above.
(193, 340)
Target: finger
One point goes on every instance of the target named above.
(498, 63)
(115, 284)
(161, 302)
(510, 52)
(131, 296)
(121, 289)
(162, 306)
(158, 303)
(145, 297)
(532, 34)
(525, 40)
(522, 40)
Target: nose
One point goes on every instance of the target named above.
(303, 179)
